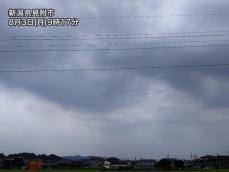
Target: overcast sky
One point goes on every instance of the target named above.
(124, 113)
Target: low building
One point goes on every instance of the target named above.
(170, 163)
(222, 161)
(188, 164)
(8, 163)
(115, 163)
(35, 164)
(50, 164)
(208, 162)
(19, 163)
(64, 164)
(1, 163)
(93, 162)
(145, 164)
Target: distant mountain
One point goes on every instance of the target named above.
(51, 157)
(75, 158)
(27, 155)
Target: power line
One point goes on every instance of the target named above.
(48, 45)
(117, 68)
(115, 35)
(114, 44)
(118, 38)
(115, 49)
(154, 16)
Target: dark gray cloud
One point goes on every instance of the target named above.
(159, 106)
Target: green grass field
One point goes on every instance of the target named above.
(95, 170)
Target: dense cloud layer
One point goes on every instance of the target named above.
(128, 113)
